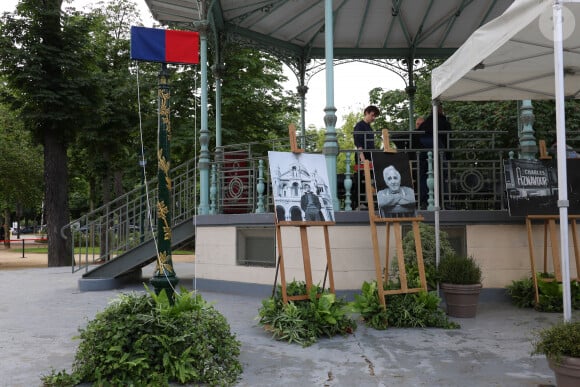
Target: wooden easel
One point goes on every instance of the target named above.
(550, 228)
(387, 142)
(543, 151)
(304, 242)
(396, 223)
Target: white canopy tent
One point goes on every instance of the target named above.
(531, 51)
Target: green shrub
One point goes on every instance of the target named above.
(428, 247)
(459, 270)
(522, 293)
(562, 339)
(304, 321)
(368, 305)
(550, 292)
(144, 339)
(409, 310)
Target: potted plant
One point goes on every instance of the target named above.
(460, 281)
(560, 344)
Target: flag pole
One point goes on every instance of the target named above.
(164, 276)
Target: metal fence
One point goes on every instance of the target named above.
(130, 220)
(471, 178)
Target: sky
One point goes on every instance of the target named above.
(352, 81)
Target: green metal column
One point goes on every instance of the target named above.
(330, 147)
(204, 157)
(164, 276)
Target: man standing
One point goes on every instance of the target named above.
(310, 204)
(364, 138)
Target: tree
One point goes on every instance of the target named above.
(255, 106)
(21, 177)
(52, 82)
(109, 146)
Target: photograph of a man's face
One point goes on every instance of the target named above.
(394, 185)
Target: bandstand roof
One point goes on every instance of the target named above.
(363, 28)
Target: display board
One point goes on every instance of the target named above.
(394, 185)
(532, 186)
(300, 187)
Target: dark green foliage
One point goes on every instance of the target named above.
(562, 339)
(369, 306)
(550, 292)
(459, 270)
(428, 246)
(304, 321)
(144, 339)
(403, 310)
(522, 293)
(417, 310)
(550, 296)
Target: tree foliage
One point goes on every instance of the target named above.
(49, 71)
(21, 177)
(255, 107)
(480, 116)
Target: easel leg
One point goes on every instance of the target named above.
(378, 269)
(532, 263)
(400, 257)
(556, 249)
(419, 251)
(545, 247)
(387, 249)
(328, 260)
(306, 258)
(282, 271)
(576, 251)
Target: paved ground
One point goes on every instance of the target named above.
(42, 308)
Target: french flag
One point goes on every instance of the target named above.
(166, 46)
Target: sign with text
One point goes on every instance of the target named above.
(532, 186)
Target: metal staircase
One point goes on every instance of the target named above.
(117, 238)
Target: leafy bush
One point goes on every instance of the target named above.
(144, 339)
(458, 270)
(369, 306)
(409, 310)
(522, 293)
(428, 247)
(562, 339)
(304, 321)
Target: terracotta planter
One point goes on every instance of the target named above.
(461, 300)
(567, 371)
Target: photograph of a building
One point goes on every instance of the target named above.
(300, 187)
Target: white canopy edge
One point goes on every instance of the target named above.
(484, 42)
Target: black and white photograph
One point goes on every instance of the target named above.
(300, 187)
(394, 185)
(532, 186)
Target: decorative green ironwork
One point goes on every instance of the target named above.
(430, 182)
(347, 184)
(528, 145)
(261, 187)
(213, 191)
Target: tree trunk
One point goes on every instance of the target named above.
(6, 226)
(56, 195)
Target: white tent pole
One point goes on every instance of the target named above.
(436, 176)
(561, 158)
